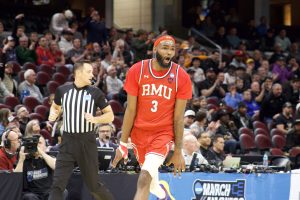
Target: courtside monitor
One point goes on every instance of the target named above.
(105, 156)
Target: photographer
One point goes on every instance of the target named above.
(37, 168)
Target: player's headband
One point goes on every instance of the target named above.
(165, 38)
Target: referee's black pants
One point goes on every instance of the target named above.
(80, 148)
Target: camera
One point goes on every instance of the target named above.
(30, 145)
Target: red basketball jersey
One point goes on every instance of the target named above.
(157, 93)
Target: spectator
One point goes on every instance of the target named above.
(3, 34)
(257, 93)
(272, 104)
(208, 28)
(267, 42)
(252, 106)
(230, 75)
(216, 154)
(23, 116)
(232, 97)
(283, 40)
(293, 136)
(191, 72)
(277, 53)
(121, 53)
(113, 83)
(105, 132)
(106, 62)
(37, 169)
(294, 51)
(29, 86)
(32, 128)
(284, 121)
(77, 53)
(262, 28)
(233, 39)
(199, 124)
(199, 73)
(212, 86)
(65, 44)
(3, 92)
(292, 90)
(220, 37)
(96, 30)
(10, 84)
(204, 140)
(43, 53)
(18, 30)
(238, 60)
(77, 34)
(25, 53)
(97, 53)
(190, 145)
(8, 152)
(9, 51)
(59, 22)
(188, 120)
(280, 71)
(56, 54)
(140, 45)
(4, 114)
(241, 118)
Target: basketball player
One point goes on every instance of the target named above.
(157, 91)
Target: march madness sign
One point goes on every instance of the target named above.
(219, 190)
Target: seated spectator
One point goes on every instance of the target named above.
(293, 136)
(204, 140)
(230, 75)
(237, 60)
(9, 82)
(188, 119)
(25, 53)
(258, 93)
(232, 97)
(28, 86)
(77, 53)
(190, 145)
(23, 116)
(220, 37)
(65, 44)
(120, 53)
(191, 72)
(292, 90)
(232, 38)
(3, 92)
(43, 53)
(113, 83)
(252, 106)
(32, 128)
(8, 151)
(105, 132)
(57, 55)
(199, 124)
(4, 115)
(281, 72)
(9, 51)
(212, 86)
(216, 153)
(106, 62)
(241, 118)
(283, 40)
(37, 169)
(284, 120)
(97, 53)
(228, 130)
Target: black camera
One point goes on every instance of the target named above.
(30, 145)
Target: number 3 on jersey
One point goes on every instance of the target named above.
(154, 106)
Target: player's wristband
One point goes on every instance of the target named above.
(123, 149)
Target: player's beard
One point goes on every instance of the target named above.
(160, 61)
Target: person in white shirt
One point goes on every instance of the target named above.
(113, 83)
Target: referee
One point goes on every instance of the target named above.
(78, 102)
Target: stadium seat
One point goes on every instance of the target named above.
(295, 151)
(278, 141)
(36, 116)
(262, 142)
(29, 65)
(42, 78)
(118, 123)
(261, 131)
(4, 106)
(255, 117)
(258, 124)
(51, 86)
(276, 131)
(46, 135)
(21, 76)
(64, 70)
(16, 67)
(42, 110)
(59, 78)
(11, 101)
(211, 106)
(276, 152)
(46, 68)
(30, 103)
(247, 142)
(46, 102)
(116, 107)
(244, 130)
(212, 100)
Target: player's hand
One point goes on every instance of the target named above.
(121, 152)
(89, 117)
(178, 162)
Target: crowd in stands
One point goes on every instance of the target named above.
(248, 103)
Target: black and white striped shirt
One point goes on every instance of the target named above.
(75, 102)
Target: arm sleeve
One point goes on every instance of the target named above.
(100, 99)
(58, 96)
(184, 90)
(132, 80)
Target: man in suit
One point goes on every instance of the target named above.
(105, 132)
